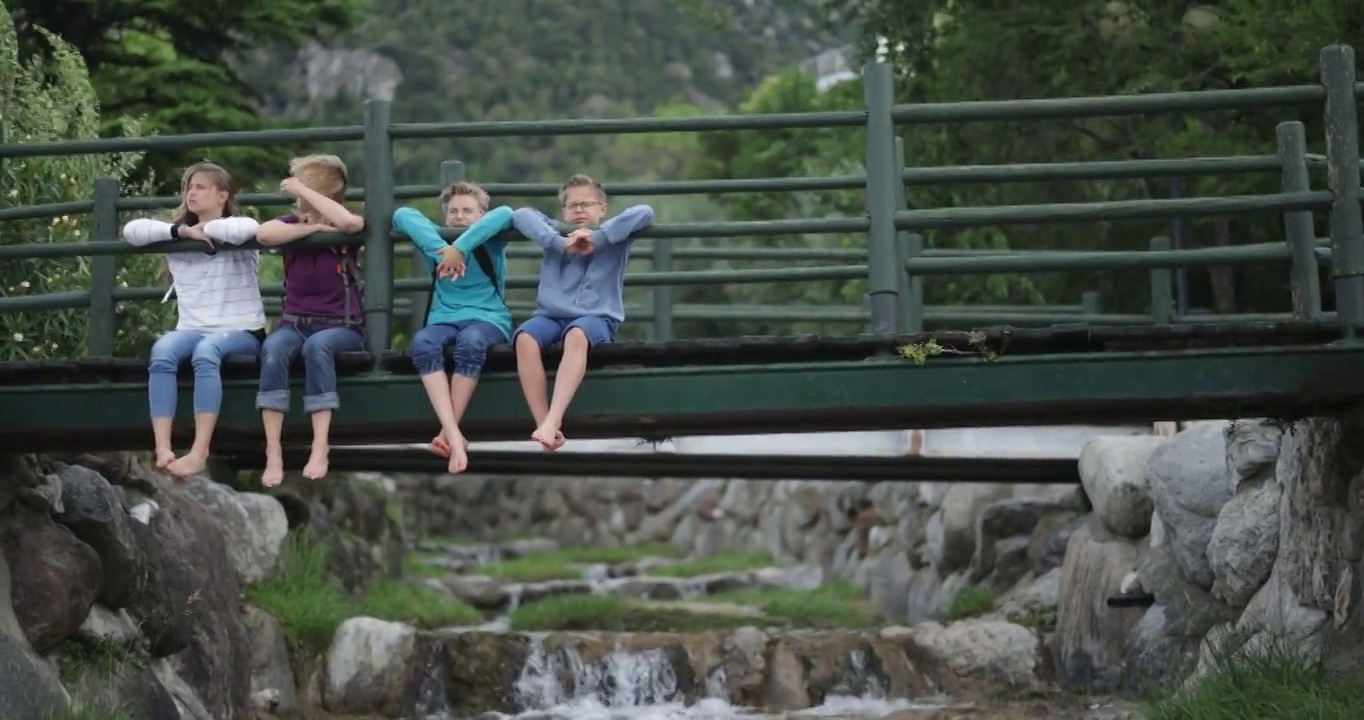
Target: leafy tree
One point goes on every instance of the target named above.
(172, 64)
(951, 50)
(49, 101)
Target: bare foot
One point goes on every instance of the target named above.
(439, 446)
(188, 465)
(459, 452)
(316, 469)
(273, 474)
(164, 458)
(548, 436)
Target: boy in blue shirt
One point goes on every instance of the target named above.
(467, 306)
(579, 302)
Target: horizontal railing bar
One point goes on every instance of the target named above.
(152, 143)
(1102, 260)
(641, 252)
(599, 126)
(1098, 170)
(747, 228)
(69, 300)
(913, 177)
(969, 217)
(1088, 107)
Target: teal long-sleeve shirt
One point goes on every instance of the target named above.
(472, 297)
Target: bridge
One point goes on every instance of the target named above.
(902, 365)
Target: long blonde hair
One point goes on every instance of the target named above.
(222, 180)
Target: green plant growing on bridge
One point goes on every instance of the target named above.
(920, 352)
(49, 101)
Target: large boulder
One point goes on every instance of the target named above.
(1189, 482)
(54, 576)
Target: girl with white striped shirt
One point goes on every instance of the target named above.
(218, 303)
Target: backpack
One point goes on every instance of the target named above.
(349, 270)
(485, 263)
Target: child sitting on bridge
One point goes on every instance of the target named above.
(467, 306)
(579, 301)
(323, 313)
(218, 304)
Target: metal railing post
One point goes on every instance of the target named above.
(885, 264)
(1298, 227)
(1342, 164)
(378, 225)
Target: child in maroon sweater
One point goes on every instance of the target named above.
(322, 315)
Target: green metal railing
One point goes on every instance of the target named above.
(895, 259)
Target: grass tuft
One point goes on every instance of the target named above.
(836, 605)
(567, 564)
(308, 603)
(1276, 684)
(398, 601)
(728, 561)
(971, 602)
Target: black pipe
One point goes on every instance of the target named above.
(607, 464)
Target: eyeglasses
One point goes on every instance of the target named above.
(581, 205)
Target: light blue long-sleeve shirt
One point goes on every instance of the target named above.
(473, 296)
(572, 285)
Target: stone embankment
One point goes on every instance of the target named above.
(440, 597)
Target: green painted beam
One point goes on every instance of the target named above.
(880, 393)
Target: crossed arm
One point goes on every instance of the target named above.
(231, 230)
(539, 229)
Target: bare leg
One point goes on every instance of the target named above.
(530, 368)
(273, 422)
(572, 368)
(316, 469)
(437, 388)
(161, 431)
(196, 459)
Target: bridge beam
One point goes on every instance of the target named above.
(660, 402)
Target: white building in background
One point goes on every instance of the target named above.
(830, 67)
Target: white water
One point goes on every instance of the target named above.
(643, 686)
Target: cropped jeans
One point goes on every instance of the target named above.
(206, 352)
(319, 346)
(472, 340)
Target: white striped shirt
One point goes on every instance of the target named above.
(214, 293)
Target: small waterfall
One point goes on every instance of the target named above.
(626, 685)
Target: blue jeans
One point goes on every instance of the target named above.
(206, 352)
(547, 330)
(319, 346)
(471, 340)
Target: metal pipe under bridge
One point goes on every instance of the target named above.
(1018, 455)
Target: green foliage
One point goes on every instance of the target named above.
(46, 100)
(175, 65)
(1278, 681)
(399, 601)
(971, 602)
(308, 603)
(966, 50)
(722, 562)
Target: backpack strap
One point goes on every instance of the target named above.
(485, 263)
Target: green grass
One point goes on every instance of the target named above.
(971, 602)
(414, 567)
(567, 564)
(308, 603)
(836, 605)
(833, 605)
(728, 561)
(1277, 685)
(403, 602)
(611, 613)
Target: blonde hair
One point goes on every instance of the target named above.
(324, 174)
(222, 180)
(464, 188)
(581, 180)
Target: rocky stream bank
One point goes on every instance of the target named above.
(373, 596)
